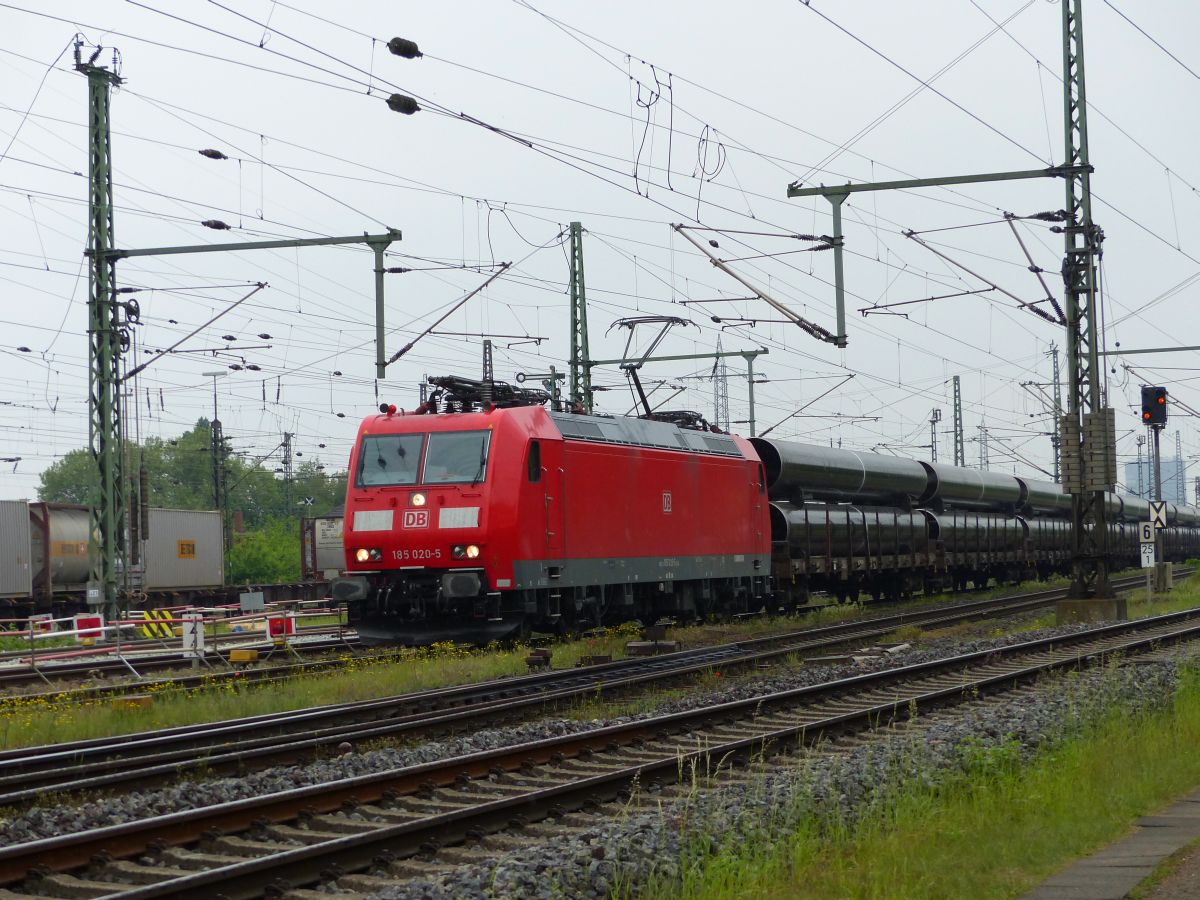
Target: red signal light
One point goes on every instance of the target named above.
(1145, 417)
(1162, 401)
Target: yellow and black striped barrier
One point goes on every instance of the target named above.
(157, 624)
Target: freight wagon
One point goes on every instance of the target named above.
(44, 563)
(322, 556)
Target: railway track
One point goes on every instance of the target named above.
(378, 823)
(239, 745)
(137, 652)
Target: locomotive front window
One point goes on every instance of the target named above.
(390, 459)
(456, 456)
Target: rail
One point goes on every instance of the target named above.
(421, 808)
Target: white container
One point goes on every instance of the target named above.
(331, 557)
(184, 548)
(16, 567)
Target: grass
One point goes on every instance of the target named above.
(32, 721)
(994, 830)
(1184, 595)
(29, 721)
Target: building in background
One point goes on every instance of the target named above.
(1174, 480)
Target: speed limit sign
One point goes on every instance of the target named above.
(1146, 532)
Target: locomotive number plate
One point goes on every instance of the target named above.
(416, 554)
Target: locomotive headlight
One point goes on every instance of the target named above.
(376, 554)
(362, 554)
(458, 551)
(472, 551)
(418, 499)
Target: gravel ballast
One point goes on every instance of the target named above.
(652, 845)
(65, 817)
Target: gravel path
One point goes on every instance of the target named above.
(66, 818)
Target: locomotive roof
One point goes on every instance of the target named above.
(643, 433)
(598, 429)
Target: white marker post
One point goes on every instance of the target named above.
(1146, 536)
(193, 636)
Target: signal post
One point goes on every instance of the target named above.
(1154, 416)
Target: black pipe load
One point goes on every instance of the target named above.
(972, 488)
(965, 531)
(1135, 509)
(799, 472)
(1046, 498)
(817, 529)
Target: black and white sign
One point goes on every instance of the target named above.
(1146, 532)
(193, 634)
(1158, 513)
(1147, 556)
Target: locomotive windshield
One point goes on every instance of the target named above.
(389, 459)
(456, 456)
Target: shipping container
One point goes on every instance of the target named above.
(16, 569)
(322, 555)
(60, 545)
(184, 549)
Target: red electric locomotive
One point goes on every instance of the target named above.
(484, 515)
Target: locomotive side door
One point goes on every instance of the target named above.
(757, 501)
(554, 482)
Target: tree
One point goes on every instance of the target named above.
(179, 475)
(270, 554)
(72, 479)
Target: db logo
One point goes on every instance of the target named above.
(416, 518)
(666, 501)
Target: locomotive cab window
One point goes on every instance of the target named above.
(535, 461)
(389, 459)
(456, 456)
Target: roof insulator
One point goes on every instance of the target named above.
(402, 103)
(404, 47)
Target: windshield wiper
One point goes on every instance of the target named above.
(482, 465)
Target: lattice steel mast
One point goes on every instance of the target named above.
(580, 384)
(1088, 447)
(1056, 438)
(960, 446)
(720, 375)
(105, 336)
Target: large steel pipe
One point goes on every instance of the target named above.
(1046, 498)
(963, 531)
(814, 529)
(972, 488)
(804, 472)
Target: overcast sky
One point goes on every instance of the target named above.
(624, 116)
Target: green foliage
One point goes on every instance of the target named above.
(269, 554)
(179, 475)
